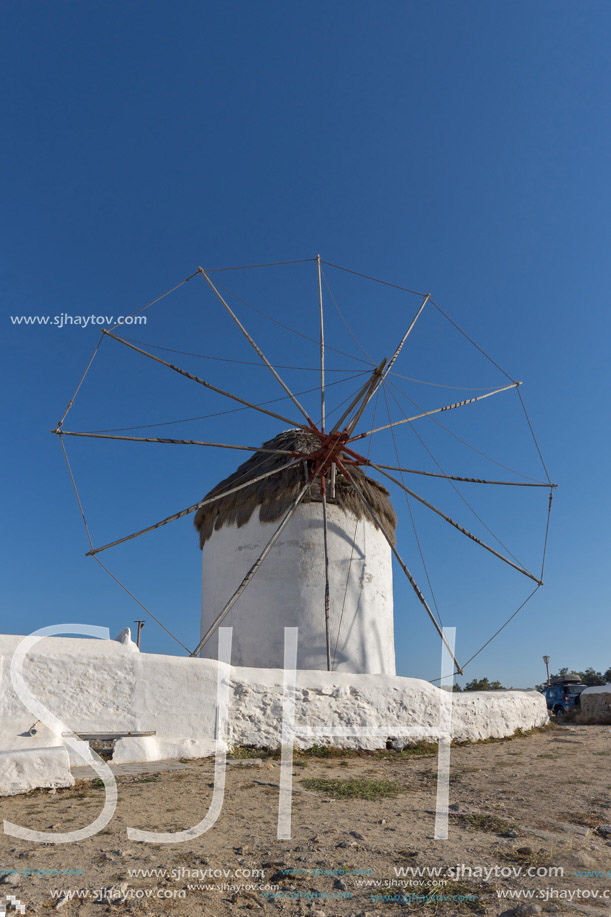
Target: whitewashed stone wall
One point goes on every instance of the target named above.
(100, 685)
(24, 769)
(325, 699)
(596, 705)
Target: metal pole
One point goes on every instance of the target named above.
(140, 626)
(322, 348)
(326, 544)
(323, 483)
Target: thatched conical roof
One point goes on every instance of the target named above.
(275, 494)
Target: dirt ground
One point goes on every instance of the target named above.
(362, 836)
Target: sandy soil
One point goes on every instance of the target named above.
(531, 802)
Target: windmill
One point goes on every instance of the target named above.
(321, 471)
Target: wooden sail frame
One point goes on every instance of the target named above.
(334, 454)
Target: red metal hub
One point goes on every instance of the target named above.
(333, 450)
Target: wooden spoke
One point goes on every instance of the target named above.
(192, 509)
(208, 385)
(173, 442)
(455, 477)
(322, 349)
(256, 348)
(447, 407)
(389, 365)
(360, 396)
(406, 571)
(236, 595)
(455, 524)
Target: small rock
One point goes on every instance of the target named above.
(10, 879)
(112, 895)
(525, 851)
(525, 910)
(510, 833)
(358, 836)
(339, 883)
(454, 807)
(346, 844)
(383, 821)
(241, 851)
(62, 901)
(604, 830)
(316, 913)
(582, 858)
(52, 792)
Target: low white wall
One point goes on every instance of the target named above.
(96, 686)
(383, 702)
(22, 770)
(103, 685)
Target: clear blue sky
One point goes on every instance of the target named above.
(461, 149)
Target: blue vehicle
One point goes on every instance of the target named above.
(562, 694)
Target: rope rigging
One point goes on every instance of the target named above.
(407, 500)
(456, 490)
(369, 361)
(411, 516)
(168, 423)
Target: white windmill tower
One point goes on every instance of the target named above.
(288, 590)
